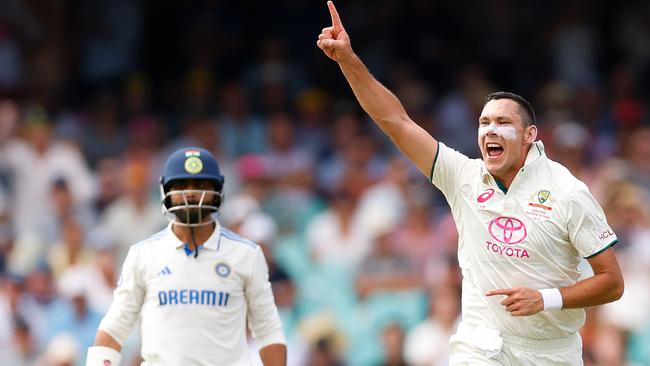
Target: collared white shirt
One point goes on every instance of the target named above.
(194, 311)
(531, 235)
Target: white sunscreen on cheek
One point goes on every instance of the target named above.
(507, 132)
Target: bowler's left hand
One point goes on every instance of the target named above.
(520, 301)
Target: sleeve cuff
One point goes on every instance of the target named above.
(113, 335)
(433, 166)
(275, 337)
(101, 355)
(602, 250)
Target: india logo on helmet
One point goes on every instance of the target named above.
(193, 165)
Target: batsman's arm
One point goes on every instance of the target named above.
(379, 102)
(263, 318)
(105, 349)
(274, 355)
(105, 340)
(121, 317)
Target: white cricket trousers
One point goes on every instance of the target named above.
(482, 346)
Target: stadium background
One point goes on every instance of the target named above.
(95, 94)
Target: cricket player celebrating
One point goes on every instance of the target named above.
(194, 285)
(524, 224)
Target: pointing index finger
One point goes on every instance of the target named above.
(500, 291)
(336, 20)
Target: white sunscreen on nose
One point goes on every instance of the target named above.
(507, 132)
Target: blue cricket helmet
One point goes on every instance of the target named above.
(191, 163)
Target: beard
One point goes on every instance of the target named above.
(193, 215)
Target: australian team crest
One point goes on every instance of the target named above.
(222, 269)
(540, 205)
(543, 195)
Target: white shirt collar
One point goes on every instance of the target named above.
(536, 150)
(212, 242)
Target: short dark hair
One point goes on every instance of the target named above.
(523, 103)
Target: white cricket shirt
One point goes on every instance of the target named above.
(194, 310)
(533, 236)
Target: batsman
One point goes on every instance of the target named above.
(195, 286)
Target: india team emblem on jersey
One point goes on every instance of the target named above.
(222, 269)
(193, 165)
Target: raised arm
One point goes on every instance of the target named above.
(379, 102)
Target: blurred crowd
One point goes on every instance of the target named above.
(95, 94)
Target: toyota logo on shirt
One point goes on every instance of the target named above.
(507, 230)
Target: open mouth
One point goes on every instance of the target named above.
(494, 150)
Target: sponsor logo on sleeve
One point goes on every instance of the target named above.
(606, 234)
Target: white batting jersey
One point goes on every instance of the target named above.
(194, 310)
(531, 235)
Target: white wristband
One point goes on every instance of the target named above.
(103, 356)
(552, 298)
